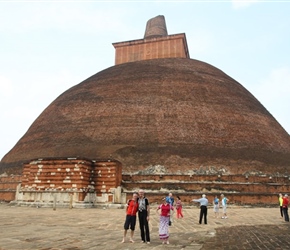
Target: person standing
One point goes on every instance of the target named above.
(143, 215)
(178, 207)
(165, 209)
(285, 207)
(170, 200)
(216, 206)
(132, 209)
(203, 208)
(225, 201)
(281, 204)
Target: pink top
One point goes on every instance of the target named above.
(178, 204)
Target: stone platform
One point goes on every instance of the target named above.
(34, 228)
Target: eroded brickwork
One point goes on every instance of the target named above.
(172, 46)
(108, 176)
(239, 188)
(63, 174)
(70, 176)
(8, 187)
(105, 176)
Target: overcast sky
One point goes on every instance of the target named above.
(47, 47)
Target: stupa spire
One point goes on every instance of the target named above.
(156, 27)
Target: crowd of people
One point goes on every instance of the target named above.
(140, 204)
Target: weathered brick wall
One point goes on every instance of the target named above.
(81, 177)
(62, 174)
(209, 187)
(262, 199)
(241, 189)
(144, 49)
(108, 176)
(8, 186)
(257, 189)
(223, 178)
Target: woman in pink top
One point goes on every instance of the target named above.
(179, 208)
(164, 221)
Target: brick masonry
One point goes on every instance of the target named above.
(238, 188)
(8, 187)
(79, 177)
(172, 46)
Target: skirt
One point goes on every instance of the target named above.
(163, 228)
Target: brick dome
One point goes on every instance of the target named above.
(178, 113)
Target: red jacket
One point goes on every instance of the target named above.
(132, 207)
(165, 209)
(285, 202)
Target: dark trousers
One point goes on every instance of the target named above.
(130, 222)
(281, 211)
(286, 215)
(144, 227)
(203, 213)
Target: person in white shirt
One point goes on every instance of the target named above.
(203, 208)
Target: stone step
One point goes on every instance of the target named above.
(235, 198)
(207, 186)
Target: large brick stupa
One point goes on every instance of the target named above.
(158, 107)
